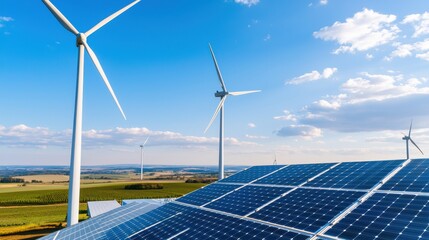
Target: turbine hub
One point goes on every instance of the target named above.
(221, 94)
(80, 39)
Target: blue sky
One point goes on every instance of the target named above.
(340, 80)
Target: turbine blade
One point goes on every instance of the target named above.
(103, 75)
(60, 17)
(222, 101)
(110, 18)
(411, 125)
(145, 141)
(242, 92)
(219, 74)
(416, 146)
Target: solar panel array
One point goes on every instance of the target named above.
(353, 200)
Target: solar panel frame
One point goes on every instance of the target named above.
(251, 174)
(294, 175)
(207, 194)
(247, 199)
(414, 177)
(307, 209)
(386, 216)
(355, 175)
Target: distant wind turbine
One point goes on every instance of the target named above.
(220, 108)
(141, 158)
(81, 43)
(408, 138)
(275, 159)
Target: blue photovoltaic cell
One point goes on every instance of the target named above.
(192, 223)
(355, 175)
(414, 178)
(96, 228)
(294, 174)
(386, 216)
(251, 174)
(247, 199)
(307, 209)
(206, 194)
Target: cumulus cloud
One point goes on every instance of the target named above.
(420, 22)
(323, 2)
(305, 131)
(4, 19)
(369, 102)
(251, 125)
(248, 3)
(22, 135)
(313, 76)
(255, 137)
(418, 49)
(288, 116)
(365, 30)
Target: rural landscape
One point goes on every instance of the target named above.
(33, 200)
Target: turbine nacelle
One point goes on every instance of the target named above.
(80, 39)
(221, 94)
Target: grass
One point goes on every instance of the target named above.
(96, 193)
(17, 219)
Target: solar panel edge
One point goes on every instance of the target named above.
(361, 200)
(290, 229)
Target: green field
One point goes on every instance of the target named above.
(96, 193)
(22, 210)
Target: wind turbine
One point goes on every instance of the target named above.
(275, 159)
(81, 43)
(141, 158)
(408, 138)
(220, 108)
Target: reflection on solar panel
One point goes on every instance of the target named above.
(193, 223)
(355, 175)
(414, 178)
(207, 194)
(386, 216)
(251, 174)
(346, 201)
(247, 199)
(307, 209)
(295, 174)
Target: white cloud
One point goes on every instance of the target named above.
(22, 135)
(369, 102)
(304, 131)
(420, 22)
(418, 49)
(251, 125)
(287, 116)
(313, 76)
(323, 2)
(4, 19)
(365, 30)
(256, 137)
(248, 3)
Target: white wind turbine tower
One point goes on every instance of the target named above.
(408, 138)
(220, 108)
(75, 162)
(141, 158)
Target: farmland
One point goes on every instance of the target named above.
(41, 208)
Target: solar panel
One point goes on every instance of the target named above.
(251, 174)
(294, 174)
(386, 216)
(271, 202)
(307, 209)
(193, 223)
(355, 175)
(247, 199)
(96, 208)
(414, 177)
(206, 194)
